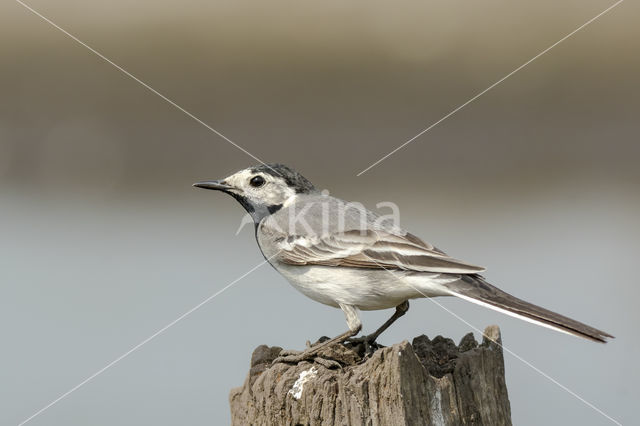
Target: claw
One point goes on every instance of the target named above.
(368, 343)
(327, 363)
(293, 357)
(286, 352)
(312, 351)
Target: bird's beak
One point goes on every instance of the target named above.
(218, 185)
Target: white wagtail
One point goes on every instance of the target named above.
(347, 258)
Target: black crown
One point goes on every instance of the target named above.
(295, 180)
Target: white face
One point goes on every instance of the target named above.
(260, 188)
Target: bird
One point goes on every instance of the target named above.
(342, 255)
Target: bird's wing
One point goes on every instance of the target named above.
(372, 249)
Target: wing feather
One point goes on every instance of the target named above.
(372, 249)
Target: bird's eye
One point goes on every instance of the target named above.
(256, 181)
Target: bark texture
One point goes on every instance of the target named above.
(426, 382)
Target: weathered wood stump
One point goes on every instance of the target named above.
(426, 382)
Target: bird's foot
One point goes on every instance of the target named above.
(294, 357)
(327, 363)
(365, 345)
(361, 339)
(288, 352)
(324, 352)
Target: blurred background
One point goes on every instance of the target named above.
(104, 241)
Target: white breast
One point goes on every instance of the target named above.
(365, 289)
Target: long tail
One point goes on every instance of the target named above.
(475, 289)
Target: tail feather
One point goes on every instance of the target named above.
(475, 289)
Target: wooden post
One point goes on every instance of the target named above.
(426, 382)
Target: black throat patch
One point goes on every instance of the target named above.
(257, 212)
(243, 202)
(274, 208)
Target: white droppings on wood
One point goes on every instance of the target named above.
(298, 386)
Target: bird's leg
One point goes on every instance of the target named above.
(355, 326)
(401, 309)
